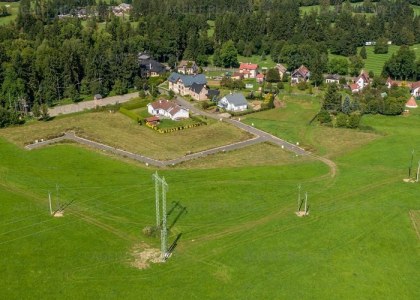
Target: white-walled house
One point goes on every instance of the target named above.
(167, 109)
(233, 102)
(415, 89)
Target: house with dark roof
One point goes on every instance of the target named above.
(167, 109)
(248, 70)
(187, 67)
(300, 74)
(181, 84)
(198, 91)
(151, 68)
(213, 94)
(233, 102)
(332, 78)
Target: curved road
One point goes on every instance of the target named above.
(260, 136)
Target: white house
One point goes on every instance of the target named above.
(167, 109)
(332, 79)
(363, 80)
(233, 102)
(248, 70)
(415, 89)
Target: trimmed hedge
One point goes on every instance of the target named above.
(173, 129)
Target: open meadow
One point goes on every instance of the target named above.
(239, 237)
(13, 8)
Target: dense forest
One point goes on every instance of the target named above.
(45, 58)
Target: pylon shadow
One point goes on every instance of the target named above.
(174, 243)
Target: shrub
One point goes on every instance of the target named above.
(354, 120)
(324, 117)
(341, 120)
(149, 231)
(302, 85)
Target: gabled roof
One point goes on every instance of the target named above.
(236, 99)
(260, 75)
(363, 75)
(237, 74)
(152, 66)
(302, 71)
(415, 85)
(187, 63)
(171, 107)
(281, 68)
(188, 80)
(248, 66)
(354, 87)
(197, 88)
(333, 77)
(411, 103)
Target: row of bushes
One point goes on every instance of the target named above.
(249, 111)
(173, 129)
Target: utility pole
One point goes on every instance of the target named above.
(418, 171)
(58, 196)
(49, 200)
(161, 186)
(164, 232)
(411, 164)
(156, 178)
(306, 203)
(298, 207)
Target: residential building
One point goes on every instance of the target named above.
(167, 109)
(187, 67)
(362, 80)
(415, 89)
(151, 68)
(282, 70)
(233, 102)
(181, 84)
(248, 70)
(300, 74)
(334, 78)
(198, 91)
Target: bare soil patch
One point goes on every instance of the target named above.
(143, 255)
(415, 219)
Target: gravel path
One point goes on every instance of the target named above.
(85, 105)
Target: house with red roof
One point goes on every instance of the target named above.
(362, 80)
(260, 78)
(249, 70)
(167, 109)
(411, 103)
(300, 74)
(415, 89)
(354, 87)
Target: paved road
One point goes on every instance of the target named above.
(81, 106)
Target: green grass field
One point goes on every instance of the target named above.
(375, 62)
(13, 8)
(240, 236)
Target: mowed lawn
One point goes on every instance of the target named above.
(117, 130)
(239, 238)
(375, 62)
(13, 8)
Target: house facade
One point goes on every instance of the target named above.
(233, 102)
(248, 70)
(198, 91)
(300, 74)
(362, 80)
(332, 79)
(187, 67)
(167, 109)
(181, 84)
(415, 89)
(282, 70)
